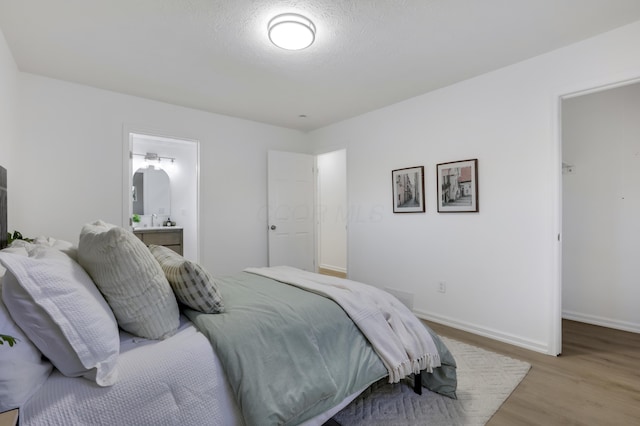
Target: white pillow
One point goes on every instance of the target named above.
(22, 367)
(131, 280)
(55, 303)
(191, 283)
(17, 250)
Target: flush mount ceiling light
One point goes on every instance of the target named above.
(291, 31)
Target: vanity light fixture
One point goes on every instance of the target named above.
(291, 31)
(152, 156)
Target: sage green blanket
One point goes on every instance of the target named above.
(289, 354)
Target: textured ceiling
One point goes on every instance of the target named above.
(215, 55)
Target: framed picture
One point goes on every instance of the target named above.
(408, 190)
(458, 186)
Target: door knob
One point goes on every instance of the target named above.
(273, 227)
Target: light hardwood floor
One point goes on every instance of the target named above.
(331, 272)
(596, 380)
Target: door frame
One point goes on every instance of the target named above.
(555, 347)
(128, 131)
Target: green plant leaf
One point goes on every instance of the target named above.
(17, 235)
(9, 339)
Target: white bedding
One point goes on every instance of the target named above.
(177, 381)
(168, 382)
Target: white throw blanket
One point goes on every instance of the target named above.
(400, 340)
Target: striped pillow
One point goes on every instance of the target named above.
(130, 279)
(191, 283)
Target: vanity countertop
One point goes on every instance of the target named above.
(156, 228)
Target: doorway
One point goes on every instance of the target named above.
(600, 206)
(179, 159)
(332, 213)
(307, 211)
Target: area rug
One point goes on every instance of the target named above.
(485, 381)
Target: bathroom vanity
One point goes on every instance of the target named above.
(168, 236)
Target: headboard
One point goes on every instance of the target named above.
(3, 208)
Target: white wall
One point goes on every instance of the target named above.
(501, 265)
(332, 210)
(601, 208)
(8, 106)
(71, 157)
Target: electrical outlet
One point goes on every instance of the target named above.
(442, 287)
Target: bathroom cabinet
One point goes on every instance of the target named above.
(168, 236)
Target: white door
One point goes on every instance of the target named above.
(291, 197)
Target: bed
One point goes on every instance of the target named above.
(113, 332)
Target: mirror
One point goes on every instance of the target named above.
(151, 193)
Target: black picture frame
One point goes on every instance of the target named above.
(458, 186)
(408, 190)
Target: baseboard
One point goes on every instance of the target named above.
(486, 332)
(602, 322)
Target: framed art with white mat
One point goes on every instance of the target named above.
(408, 190)
(458, 186)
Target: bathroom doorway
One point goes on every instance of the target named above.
(179, 159)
